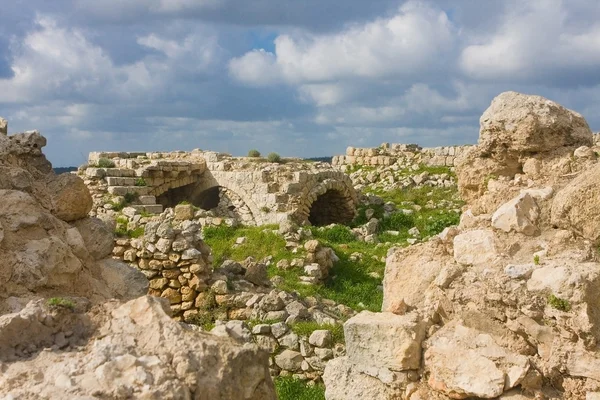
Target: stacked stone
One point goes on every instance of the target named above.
(390, 154)
(233, 207)
(319, 261)
(396, 177)
(174, 259)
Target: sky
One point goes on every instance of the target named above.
(302, 78)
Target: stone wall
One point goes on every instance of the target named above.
(253, 190)
(387, 154)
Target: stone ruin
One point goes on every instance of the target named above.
(76, 323)
(247, 190)
(505, 305)
(389, 154)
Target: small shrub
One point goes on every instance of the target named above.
(536, 259)
(558, 303)
(140, 182)
(136, 233)
(61, 302)
(265, 209)
(274, 158)
(105, 163)
(254, 153)
(184, 203)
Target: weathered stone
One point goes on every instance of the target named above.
(520, 214)
(385, 340)
(490, 369)
(97, 237)
(321, 338)
(475, 247)
(71, 199)
(289, 360)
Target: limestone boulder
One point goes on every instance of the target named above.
(464, 362)
(409, 273)
(97, 237)
(474, 170)
(140, 352)
(385, 340)
(519, 215)
(126, 282)
(71, 199)
(523, 123)
(576, 207)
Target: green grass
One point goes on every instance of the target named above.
(335, 234)
(306, 328)
(349, 282)
(140, 182)
(61, 302)
(260, 243)
(289, 388)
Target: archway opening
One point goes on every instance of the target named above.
(332, 207)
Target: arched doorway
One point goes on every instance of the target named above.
(331, 207)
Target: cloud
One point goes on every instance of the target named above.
(536, 41)
(404, 45)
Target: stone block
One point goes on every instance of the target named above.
(385, 340)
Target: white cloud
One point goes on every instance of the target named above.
(56, 62)
(404, 45)
(537, 37)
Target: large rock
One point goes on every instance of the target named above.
(522, 123)
(385, 340)
(409, 272)
(519, 215)
(97, 237)
(576, 207)
(125, 282)
(71, 199)
(463, 362)
(140, 352)
(344, 380)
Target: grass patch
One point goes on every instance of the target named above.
(306, 328)
(260, 243)
(349, 283)
(289, 388)
(335, 234)
(61, 302)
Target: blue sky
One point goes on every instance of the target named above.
(302, 78)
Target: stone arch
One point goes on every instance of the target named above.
(208, 193)
(329, 201)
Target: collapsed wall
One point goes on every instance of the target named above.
(504, 305)
(64, 329)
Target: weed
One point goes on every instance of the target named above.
(265, 209)
(536, 260)
(558, 303)
(140, 182)
(61, 302)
